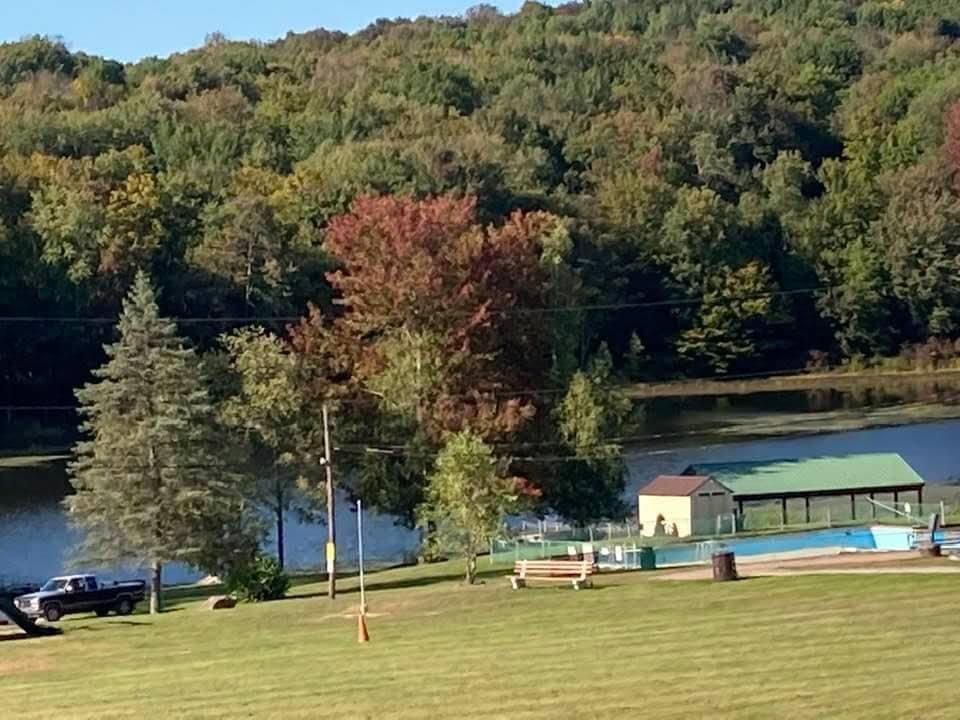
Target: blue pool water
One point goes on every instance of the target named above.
(858, 538)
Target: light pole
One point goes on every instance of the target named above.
(363, 593)
(363, 636)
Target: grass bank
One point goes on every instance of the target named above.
(807, 647)
(840, 379)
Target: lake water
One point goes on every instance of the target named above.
(35, 538)
(932, 449)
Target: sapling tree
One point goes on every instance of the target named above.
(467, 499)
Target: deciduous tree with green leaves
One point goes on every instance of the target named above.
(588, 485)
(467, 499)
(736, 306)
(268, 407)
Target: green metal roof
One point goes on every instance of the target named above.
(825, 474)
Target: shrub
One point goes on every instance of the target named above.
(818, 361)
(259, 580)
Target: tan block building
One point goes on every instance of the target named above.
(682, 505)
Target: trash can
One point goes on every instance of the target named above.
(648, 558)
(724, 566)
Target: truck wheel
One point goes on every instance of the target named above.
(52, 613)
(124, 606)
(102, 612)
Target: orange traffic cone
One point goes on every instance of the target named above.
(362, 634)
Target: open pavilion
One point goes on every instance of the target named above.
(815, 477)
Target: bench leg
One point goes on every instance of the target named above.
(576, 584)
(518, 583)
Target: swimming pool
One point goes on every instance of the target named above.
(877, 537)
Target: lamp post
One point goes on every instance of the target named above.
(363, 594)
(363, 636)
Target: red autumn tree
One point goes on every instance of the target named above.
(428, 292)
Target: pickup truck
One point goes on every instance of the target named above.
(70, 594)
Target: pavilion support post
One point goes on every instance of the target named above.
(873, 508)
(853, 506)
(783, 512)
(740, 508)
(806, 508)
(919, 500)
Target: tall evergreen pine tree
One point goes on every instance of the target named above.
(152, 483)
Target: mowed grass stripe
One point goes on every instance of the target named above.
(784, 647)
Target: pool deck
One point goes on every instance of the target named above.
(824, 561)
(786, 555)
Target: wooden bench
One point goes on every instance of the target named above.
(576, 572)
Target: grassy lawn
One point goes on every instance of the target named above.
(806, 647)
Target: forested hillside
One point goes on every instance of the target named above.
(728, 184)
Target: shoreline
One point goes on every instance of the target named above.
(836, 380)
(728, 435)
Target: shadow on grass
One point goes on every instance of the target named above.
(177, 597)
(714, 583)
(374, 585)
(24, 636)
(172, 597)
(90, 627)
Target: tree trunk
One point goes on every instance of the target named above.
(419, 387)
(280, 500)
(156, 588)
(247, 285)
(471, 565)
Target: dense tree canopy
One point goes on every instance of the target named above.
(736, 183)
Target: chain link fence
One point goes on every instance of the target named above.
(622, 544)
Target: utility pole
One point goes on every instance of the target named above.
(331, 511)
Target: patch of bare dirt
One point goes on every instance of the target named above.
(22, 665)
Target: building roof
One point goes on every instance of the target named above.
(834, 474)
(674, 485)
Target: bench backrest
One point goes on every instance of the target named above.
(552, 568)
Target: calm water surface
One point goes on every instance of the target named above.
(35, 538)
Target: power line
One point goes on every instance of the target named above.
(377, 448)
(550, 309)
(547, 459)
(481, 394)
(274, 469)
(65, 320)
(367, 451)
(38, 408)
(502, 394)
(655, 303)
